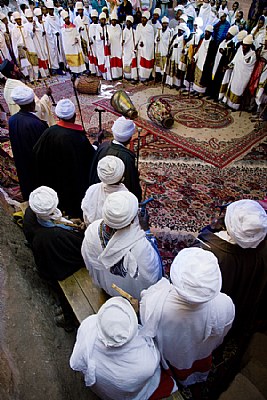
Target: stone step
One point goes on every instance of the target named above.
(242, 389)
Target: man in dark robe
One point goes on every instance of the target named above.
(63, 157)
(241, 250)
(25, 128)
(122, 130)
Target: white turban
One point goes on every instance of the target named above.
(209, 28)
(49, 4)
(119, 209)
(79, 5)
(123, 129)
(22, 95)
(64, 14)
(113, 16)
(196, 275)
(130, 18)
(221, 13)
(94, 13)
(65, 109)
(246, 223)
(43, 201)
(182, 27)
(104, 8)
(180, 7)
(165, 19)
(184, 17)
(103, 15)
(198, 21)
(2, 16)
(28, 13)
(157, 11)
(248, 40)
(233, 30)
(110, 169)
(241, 35)
(37, 12)
(16, 15)
(117, 322)
(146, 14)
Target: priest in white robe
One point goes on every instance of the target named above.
(116, 250)
(129, 52)
(110, 170)
(116, 361)
(53, 36)
(115, 43)
(92, 42)
(72, 45)
(102, 48)
(189, 317)
(82, 23)
(145, 47)
(162, 43)
(177, 45)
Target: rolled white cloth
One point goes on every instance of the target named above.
(116, 322)
(113, 15)
(94, 13)
(123, 129)
(248, 39)
(110, 169)
(165, 19)
(209, 28)
(157, 11)
(233, 30)
(28, 13)
(246, 223)
(22, 95)
(241, 35)
(49, 4)
(16, 15)
(102, 15)
(130, 18)
(65, 109)
(43, 201)
(120, 209)
(79, 5)
(146, 14)
(182, 26)
(184, 17)
(196, 275)
(64, 14)
(37, 11)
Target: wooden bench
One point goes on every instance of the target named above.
(84, 297)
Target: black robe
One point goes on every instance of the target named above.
(208, 65)
(25, 129)
(131, 175)
(244, 277)
(57, 252)
(63, 158)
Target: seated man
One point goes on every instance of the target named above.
(241, 250)
(110, 171)
(116, 250)
(116, 361)
(123, 130)
(55, 241)
(190, 316)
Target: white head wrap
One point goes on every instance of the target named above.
(196, 275)
(119, 209)
(241, 35)
(49, 4)
(184, 17)
(64, 14)
(146, 14)
(65, 109)
(221, 13)
(43, 201)
(117, 322)
(233, 30)
(209, 28)
(248, 39)
(198, 21)
(180, 7)
(22, 95)
(102, 15)
(104, 8)
(246, 223)
(2, 16)
(157, 11)
(182, 26)
(79, 5)
(123, 129)
(113, 16)
(16, 15)
(28, 13)
(110, 169)
(165, 19)
(130, 18)
(37, 12)
(94, 13)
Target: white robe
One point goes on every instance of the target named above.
(39, 44)
(83, 24)
(145, 34)
(129, 54)
(130, 244)
(94, 199)
(200, 58)
(172, 70)
(243, 67)
(157, 26)
(42, 106)
(72, 48)
(185, 332)
(4, 52)
(102, 52)
(115, 42)
(205, 14)
(130, 372)
(52, 26)
(92, 48)
(161, 48)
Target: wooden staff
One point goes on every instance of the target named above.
(135, 49)
(108, 49)
(138, 146)
(91, 49)
(27, 52)
(78, 101)
(129, 297)
(156, 52)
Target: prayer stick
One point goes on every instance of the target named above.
(132, 300)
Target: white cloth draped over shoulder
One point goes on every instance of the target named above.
(129, 55)
(145, 35)
(140, 260)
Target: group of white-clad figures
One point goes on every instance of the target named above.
(182, 320)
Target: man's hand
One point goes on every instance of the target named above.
(141, 44)
(143, 219)
(57, 33)
(48, 91)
